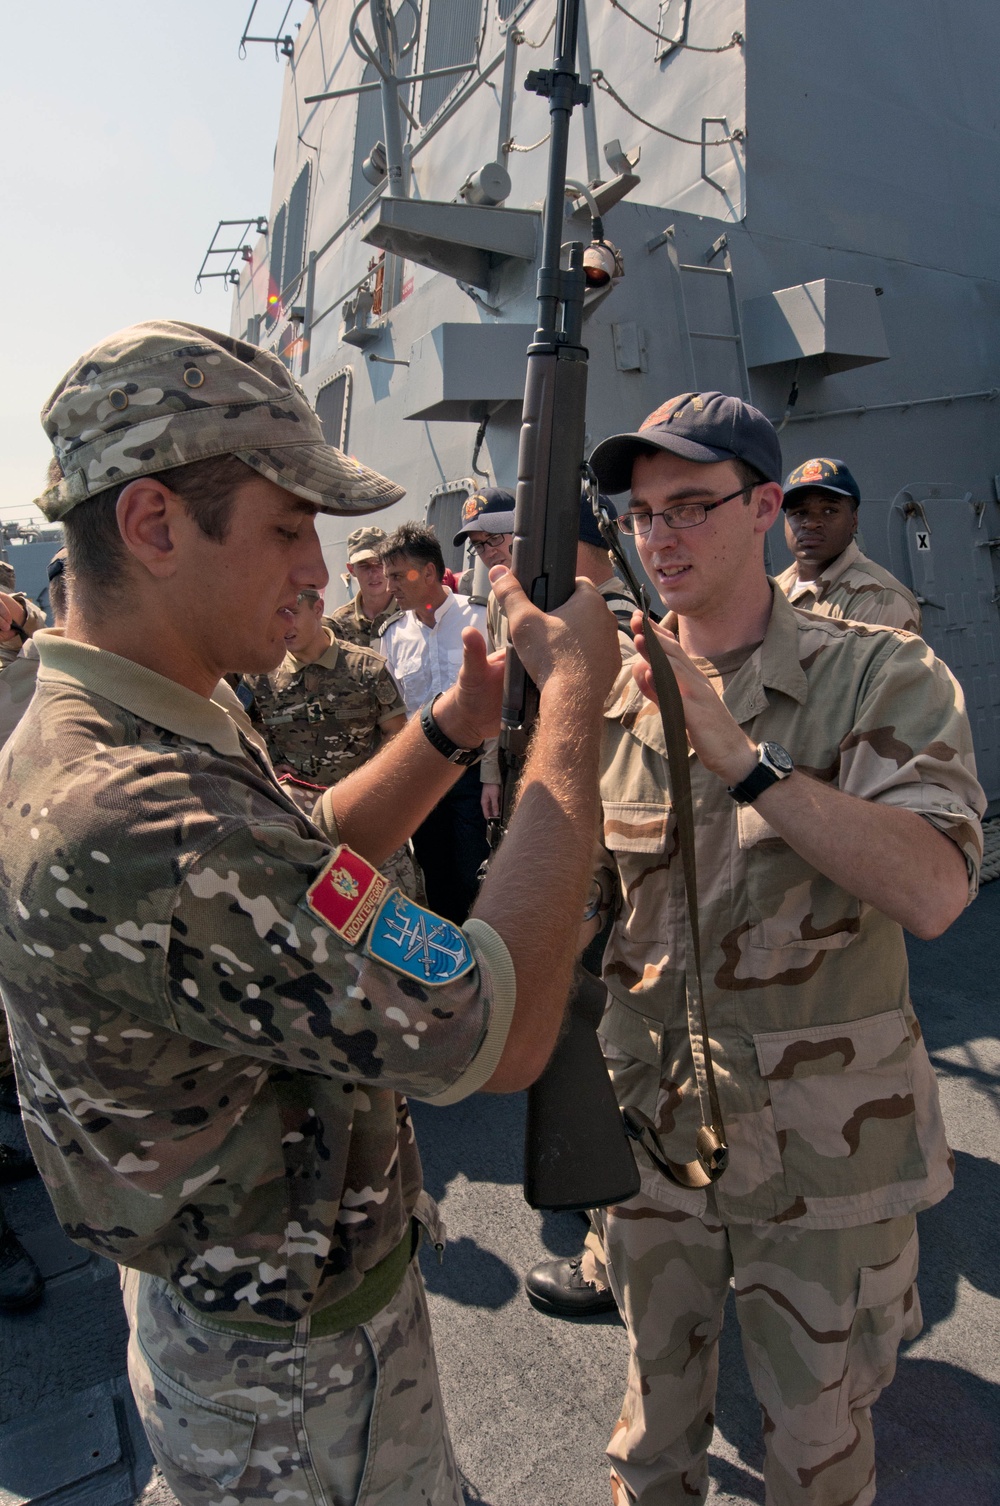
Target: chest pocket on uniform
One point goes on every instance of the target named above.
(789, 903)
(637, 826)
(642, 835)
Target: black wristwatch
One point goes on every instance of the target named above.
(466, 757)
(773, 763)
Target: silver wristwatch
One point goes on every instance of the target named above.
(773, 763)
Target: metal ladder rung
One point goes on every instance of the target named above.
(704, 334)
(688, 266)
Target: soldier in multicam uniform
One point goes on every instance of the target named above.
(810, 863)
(328, 707)
(831, 575)
(362, 620)
(326, 710)
(216, 1004)
(21, 1283)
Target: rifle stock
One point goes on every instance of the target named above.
(576, 1151)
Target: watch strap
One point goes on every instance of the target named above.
(760, 778)
(465, 757)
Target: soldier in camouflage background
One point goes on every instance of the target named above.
(373, 607)
(809, 867)
(830, 574)
(21, 1284)
(327, 709)
(216, 1003)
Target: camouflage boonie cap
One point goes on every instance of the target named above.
(363, 544)
(8, 580)
(165, 393)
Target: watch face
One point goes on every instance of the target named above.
(775, 755)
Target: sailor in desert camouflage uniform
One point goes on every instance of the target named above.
(830, 575)
(215, 1003)
(326, 710)
(810, 863)
(373, 606)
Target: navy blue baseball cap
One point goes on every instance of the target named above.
(823, 475)
(589, 532)
(488, 511)
(700, 426)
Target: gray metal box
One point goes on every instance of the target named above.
(458, 371)
(839, 322)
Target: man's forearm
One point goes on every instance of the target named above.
(381, 804)
(886, 856)
(535, 890)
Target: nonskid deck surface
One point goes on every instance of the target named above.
(532, 1400)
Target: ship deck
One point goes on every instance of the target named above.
(532, 1400)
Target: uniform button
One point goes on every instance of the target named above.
(193, 377)
(118, 399)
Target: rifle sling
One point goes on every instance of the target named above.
(712, 1149)
(713, 1152)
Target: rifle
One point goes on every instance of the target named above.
(576, 1152)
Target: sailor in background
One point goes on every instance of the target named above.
(831, 575)
(424, 651)
(373, 606)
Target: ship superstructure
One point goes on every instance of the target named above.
(804, 204)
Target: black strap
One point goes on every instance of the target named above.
(713, 1152)
(14, 627)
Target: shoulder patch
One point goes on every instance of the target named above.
(347, 894)
(418, 943)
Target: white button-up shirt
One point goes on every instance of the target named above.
(426, 660)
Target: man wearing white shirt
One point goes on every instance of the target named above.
(424, 652)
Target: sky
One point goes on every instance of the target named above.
(130, 128)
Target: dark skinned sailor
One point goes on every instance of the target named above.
(831, 575)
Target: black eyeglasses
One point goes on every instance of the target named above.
(685, 515)
(495, 541)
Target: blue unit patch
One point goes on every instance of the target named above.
(417, 942)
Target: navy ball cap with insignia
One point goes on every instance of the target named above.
(822, 475)
(488, 511)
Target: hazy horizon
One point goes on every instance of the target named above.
(131, 130)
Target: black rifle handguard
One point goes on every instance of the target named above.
(577, 1154)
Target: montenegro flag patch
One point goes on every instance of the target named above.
(346, 894)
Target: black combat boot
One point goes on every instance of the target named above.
(21, 1284)
(15, 1166)
(560, 1288)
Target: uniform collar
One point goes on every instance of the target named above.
(774, 665)
(327, 659)
(149, 696)
(833, 571)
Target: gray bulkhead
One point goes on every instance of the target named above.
(827, 230)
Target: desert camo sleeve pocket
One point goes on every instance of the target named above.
(843, 1103)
